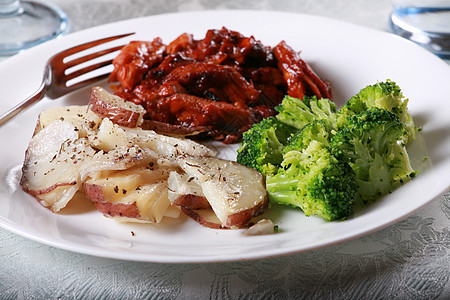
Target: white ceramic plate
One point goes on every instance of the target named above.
(350, 56)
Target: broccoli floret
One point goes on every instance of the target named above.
(371, 145)
(386, 95)
(314, 180)
(297, 112)
(262, 145)
(324, 160)
(318, 130)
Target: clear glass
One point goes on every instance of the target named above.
(24, 24)
(425, 22)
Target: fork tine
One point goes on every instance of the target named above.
(88, 45)
(87, 69)
(89, 81)
(91, 56)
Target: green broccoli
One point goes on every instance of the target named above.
(314, 180)
(371, 145)
(386, 95)
(297, 112)
(262, 145)
(318, 130)
(324, 160)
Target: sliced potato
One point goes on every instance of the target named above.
(81, 117)
(138, 193)
(57, 162)
(169, 147)
(119, 111)
(110, 135)
(185, 191)
(173, 129)
(133, 174)
(190, 201)
(53, 164)
(236, 193)
(205, 217)
(128, 210)
(120, 158)
(117, 183)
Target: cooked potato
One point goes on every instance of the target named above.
(119, 111)
(116, 183)
(53, 176)
(173, 129)
(236, 193)
(81, 117)
(137, 193)
(110, 135)
(205, 217)
(262, 227)
(186, 192)
(57, 162)
(132, 174)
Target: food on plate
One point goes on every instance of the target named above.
(132, 174)
(110, 136)
(326, 160)
(297, 147)
(54, 187)
(264, 226)
(57, 161)
(83, 119)
(228, 187)
(262, 146)
(300, 78)
(139, 193)
(372, 144)
(389, 96)
(314, 180)
(215, 87)
(120, 112)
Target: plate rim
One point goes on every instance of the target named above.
(127, 256)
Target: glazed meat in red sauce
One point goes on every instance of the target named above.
(217, 86)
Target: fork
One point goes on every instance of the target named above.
(54, 83)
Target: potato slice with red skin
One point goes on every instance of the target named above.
(57, 162)
(115, 108)
(190, 201)
(187, 191)
(184, 191)
(149, 203)
(53, 164)
(138, 193)
(208, 218)
(174, 129)
(127, 210)
(138, 162)
(236, 193)
(205, 217)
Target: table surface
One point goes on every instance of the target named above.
(408, 260)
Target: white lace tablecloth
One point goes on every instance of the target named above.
(408, 260)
